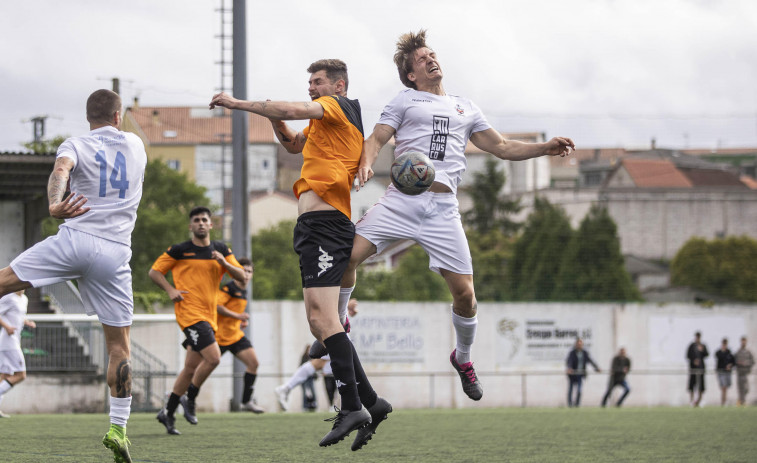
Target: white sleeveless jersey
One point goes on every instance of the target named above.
(109, 168)
(438, 126)
(13, 312)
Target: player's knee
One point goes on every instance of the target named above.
(465, 305)
(213, 360)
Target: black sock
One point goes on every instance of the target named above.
(364, 389)
(173, 402)
(192, 392)
(249, 386)
(330, 383)
(340, 350)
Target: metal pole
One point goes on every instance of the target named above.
(240, 238)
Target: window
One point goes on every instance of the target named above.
(208, 165)
(174, 164)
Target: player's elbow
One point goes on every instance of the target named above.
(292, 149)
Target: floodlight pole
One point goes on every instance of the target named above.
(240, 237)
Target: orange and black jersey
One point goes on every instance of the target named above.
(195, 271)
(233, 298)
(332, 152)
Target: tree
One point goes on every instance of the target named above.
(410, 281)
(277, 266)
(491, 253)
(725, 267)
(539, 251)
(491, 211)
(46, 146)
(162, 218)
(593, 268)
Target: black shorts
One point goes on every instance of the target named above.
(237, 347)
(199, 336)
(323, 240)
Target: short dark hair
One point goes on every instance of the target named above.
(698, 334)
(102, 105)
(199, 210)
(403, 57)
(335, 69)
(244, 261)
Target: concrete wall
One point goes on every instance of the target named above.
(12, 231)
(519, 353)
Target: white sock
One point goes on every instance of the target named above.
(344, 298)
(120, 408)
(5, 386)
(465, 329)
(305, 371)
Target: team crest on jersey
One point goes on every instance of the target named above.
(459, 110)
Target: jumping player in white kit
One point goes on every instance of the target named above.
(106, 169)
(425, 118)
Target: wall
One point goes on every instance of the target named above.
(655, 223)
(12, 231)
(519, 352)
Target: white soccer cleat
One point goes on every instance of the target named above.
(253, 407)
(282, 394)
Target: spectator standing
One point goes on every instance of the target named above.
(725, 361)
(744, 362)
(696, 354)
(576, 363)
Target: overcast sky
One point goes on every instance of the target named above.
(606, 73)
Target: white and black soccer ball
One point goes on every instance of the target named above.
(412, 173)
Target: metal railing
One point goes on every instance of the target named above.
(79, 347)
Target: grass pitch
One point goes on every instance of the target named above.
(433, 436)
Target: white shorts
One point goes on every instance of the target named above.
(12, 361)
(101, 267)
(430, 219)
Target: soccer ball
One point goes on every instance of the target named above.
(412, 173)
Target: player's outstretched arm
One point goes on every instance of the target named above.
(381, 135)
(280, 110)
(58, 206)
(493, 142)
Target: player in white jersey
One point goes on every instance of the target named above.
(12, 322)
(425, 118)
(106, 169)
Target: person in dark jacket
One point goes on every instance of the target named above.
(696, 353)
(724, 368)
(575, 364)
(621, 364)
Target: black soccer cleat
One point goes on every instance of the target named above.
(189, 409)
(471, 385)
(379, 412)
(344, 423)
(168, 421)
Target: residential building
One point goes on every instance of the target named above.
(197, 142)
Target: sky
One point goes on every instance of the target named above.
(607, 73)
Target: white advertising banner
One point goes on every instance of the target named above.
(528, 338)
